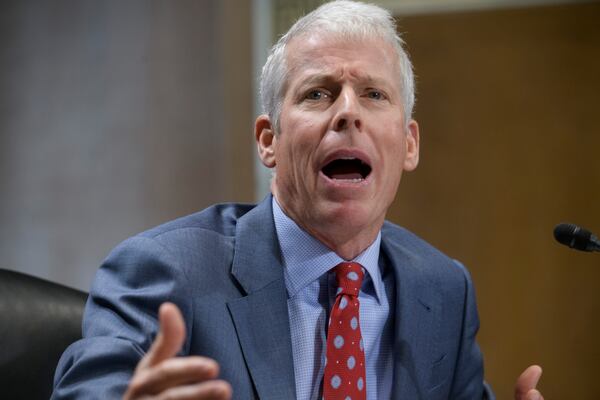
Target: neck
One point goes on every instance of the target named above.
(347, 250)
(343, 238)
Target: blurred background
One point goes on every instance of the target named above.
(116, 116)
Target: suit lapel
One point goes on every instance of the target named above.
(261, 317)
(417, 305)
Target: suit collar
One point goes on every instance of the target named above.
(257, 257)
(261, 317)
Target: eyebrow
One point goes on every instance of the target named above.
(323, 78)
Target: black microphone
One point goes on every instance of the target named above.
(576, 237)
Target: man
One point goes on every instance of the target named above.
(248, 293)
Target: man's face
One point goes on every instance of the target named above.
(343, 141)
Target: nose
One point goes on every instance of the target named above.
(347, 111)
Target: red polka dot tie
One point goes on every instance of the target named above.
(344, 376)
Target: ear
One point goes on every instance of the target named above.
(265, 140)
(411, 159)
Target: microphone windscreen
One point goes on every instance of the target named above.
(573, 236)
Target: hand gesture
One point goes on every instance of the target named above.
(161, 375)
(526, 383)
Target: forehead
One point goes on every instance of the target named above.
(333, 57)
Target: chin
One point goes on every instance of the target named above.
(356, 215)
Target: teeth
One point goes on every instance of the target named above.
(353, 158)
(355, 180)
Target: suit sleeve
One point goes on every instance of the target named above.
(120, 320)
(468, 380)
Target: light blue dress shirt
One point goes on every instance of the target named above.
(311, 287)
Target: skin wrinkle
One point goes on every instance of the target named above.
(317, 79)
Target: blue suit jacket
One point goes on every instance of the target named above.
(223, 268)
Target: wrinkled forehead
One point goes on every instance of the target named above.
(321, 54)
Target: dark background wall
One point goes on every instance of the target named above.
(508, 105)
(116, 116)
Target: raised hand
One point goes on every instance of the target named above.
(525, 389)
(161, 375)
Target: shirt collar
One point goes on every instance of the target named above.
(306, 259)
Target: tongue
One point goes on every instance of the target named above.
(346, 175)
(343, 169)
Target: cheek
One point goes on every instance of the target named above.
(394, 150)
(292, 157)
(303, 140)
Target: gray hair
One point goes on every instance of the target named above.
(349, 19)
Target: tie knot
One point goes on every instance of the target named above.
(349, 276)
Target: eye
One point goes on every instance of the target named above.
(316, 94)
(375, 95)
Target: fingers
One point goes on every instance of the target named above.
(161, 375)
(169, 339)
(534, 395)
(527, 382)
(208, 390)
(171, 373)
(211, 390)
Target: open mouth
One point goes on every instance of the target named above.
(347, 169)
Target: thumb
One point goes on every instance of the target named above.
(527, 380)
(170, 337)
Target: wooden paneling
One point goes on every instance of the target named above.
(508, 104)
